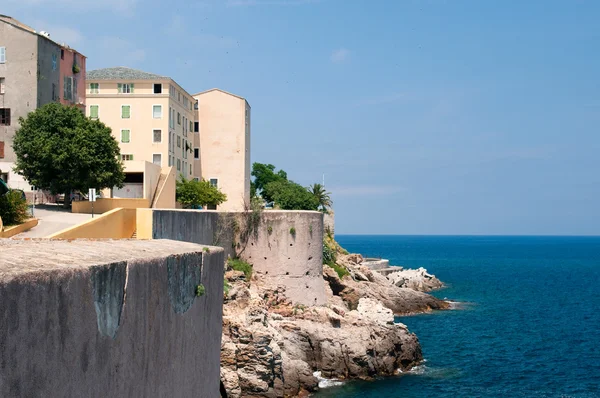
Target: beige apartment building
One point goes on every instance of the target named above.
(152, 118)
(222, 145)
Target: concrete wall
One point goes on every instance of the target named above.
(288, 251)
(9, 232)
(109, 319)
(20, 73)
(293, 260)
(49, 73)
(114, 224)
(108, 204)
(225, 145)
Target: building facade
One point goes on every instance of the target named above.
(151, 117)
(31, 73)
(222, 145)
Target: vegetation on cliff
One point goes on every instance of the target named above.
(275, 187)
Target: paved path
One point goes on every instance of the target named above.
(53, 219)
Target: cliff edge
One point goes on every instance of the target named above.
(272, 347)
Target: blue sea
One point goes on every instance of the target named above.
(530, 326)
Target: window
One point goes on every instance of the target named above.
(157, 159)
(178, 165)
(2, 151)
(196, 153)
(125, 136)
(157, 88)
(178, 142)
(4, 116)
(2, 55)
(94, 111)
(185, 102)
(191, 126)
(62, 53)
(126, 157)
(157, 111)
(178, 118)
(196, 127)
(74, 96)
(190, 169)
(170, 142)
(214, 182)
(170, 118)
(3, 87)
(54, 62)
(178, 96)
(173, 126)
(125, 88)
(196, 105)
(94, 88)
(172, 91)
(68, 88)
(125, 111)
(156, 136)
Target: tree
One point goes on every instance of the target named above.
(60, 150)
(263, 175)
(192, 193)
(291, 196)
(322, 196)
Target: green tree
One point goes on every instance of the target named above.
(191, 193)
(264, 174)
(59, 149)
(322, 196)
(291, 196)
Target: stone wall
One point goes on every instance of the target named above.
(288, 251)
(293, 260)
(109, 318)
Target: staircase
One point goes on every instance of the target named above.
(159, 186)
(134, 235)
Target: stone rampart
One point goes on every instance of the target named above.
(109, 318)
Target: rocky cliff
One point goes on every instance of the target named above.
(272, 348)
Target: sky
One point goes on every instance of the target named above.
(425, 116)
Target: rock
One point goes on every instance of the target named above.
(234, 276)
(416, 279)
(272, 348)
(375, 311)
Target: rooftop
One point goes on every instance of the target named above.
(122, 73)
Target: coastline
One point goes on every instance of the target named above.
(272, 347)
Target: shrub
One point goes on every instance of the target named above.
(293, 232)
(341, 271)
(225, 287)
(200, 290)
(329, 254)
(13, 208)
(241, 265)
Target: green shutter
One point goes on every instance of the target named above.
(119, 88)
(131, 86)
(94, 111)
(125, 111)
(125, 136)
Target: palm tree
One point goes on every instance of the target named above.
(324, 198)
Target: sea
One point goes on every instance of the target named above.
(528, 323)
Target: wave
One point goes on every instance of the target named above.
(325, 383)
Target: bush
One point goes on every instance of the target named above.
(225, 287)
(241, 265)
(341, 271)
(13, 208)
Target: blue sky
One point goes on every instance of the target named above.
(426, 116)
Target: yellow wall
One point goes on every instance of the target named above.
(116, 224)
(142, 123)
(224, 142)
(108, 204)
(144, 219)
(9, 232)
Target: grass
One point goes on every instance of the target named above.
(341, 271)
(241, 265)
(226, 287)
